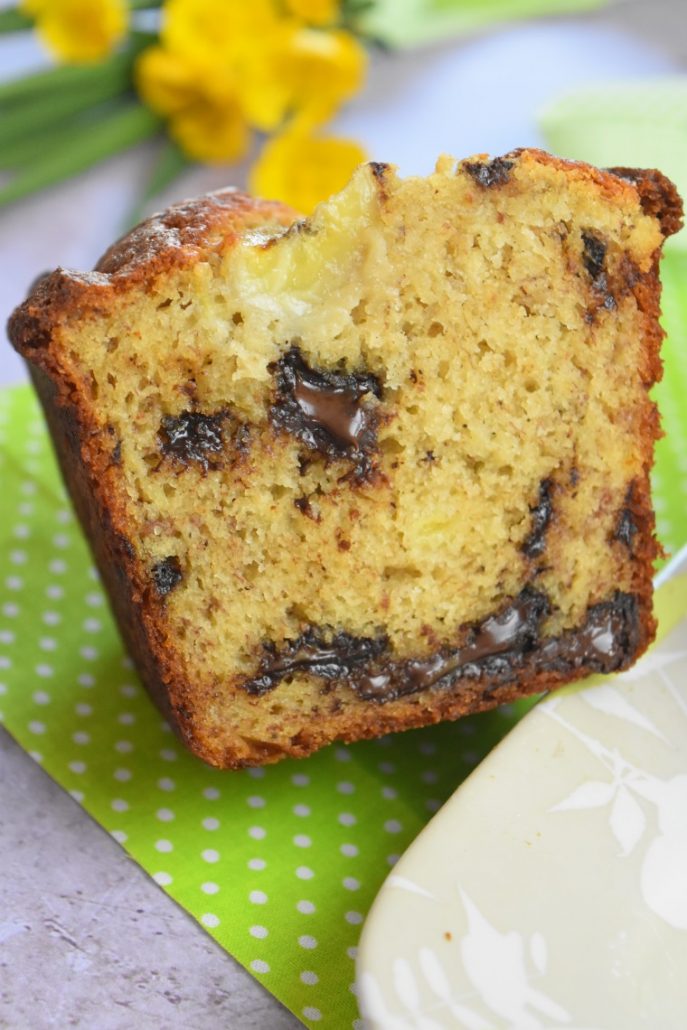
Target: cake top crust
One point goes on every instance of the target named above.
(174, 236)
(214, 223)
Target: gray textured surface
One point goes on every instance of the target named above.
(86, 938)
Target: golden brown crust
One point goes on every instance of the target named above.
(657, 195)
(178, 238)
(188, 230)
(85, 470)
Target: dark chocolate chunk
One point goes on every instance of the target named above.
(192, 437)
(494, 648)
(325, 410)
(497, 650)
(542, 514)
(167, 574)
(606, 642)
(378, 169)
(594, 254)
(594, 259)
(489, 173)
(626, 527)
(313, 652)
(305, 508)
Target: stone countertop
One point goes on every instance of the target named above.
(87, 939)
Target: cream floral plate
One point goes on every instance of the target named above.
(551, 890)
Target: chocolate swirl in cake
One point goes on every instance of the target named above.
(498, 648)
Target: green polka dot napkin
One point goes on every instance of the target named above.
(279, 864)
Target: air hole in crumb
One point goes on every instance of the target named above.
(278, 491)
(401, 572)
(435, 329)
(390, 445)
(237, 318)
(359, 313)
(111, 344)
(164, 304)
(531, 385)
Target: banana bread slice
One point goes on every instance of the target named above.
(374, 469)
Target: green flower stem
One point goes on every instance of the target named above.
(32, 146)
(119, 131)
(43, 112)
(75, 76)
(12, 20)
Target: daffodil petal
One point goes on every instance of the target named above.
(79, 30)
(303, 170)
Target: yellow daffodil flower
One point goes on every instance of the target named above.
(78, 30)
(314, 12)
(199, 98)
(217, 29)
(304, 72)
(211, 134)
(302, 169)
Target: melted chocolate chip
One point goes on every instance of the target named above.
(594, 254)
(502, 647)
(490, 173)
(594, 259)
(494, 647)
(542, 514)
(192, 437)
(167, 574)
(330, 659)
(626, 527)
(325, 410)
(606, 642)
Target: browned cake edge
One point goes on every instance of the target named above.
(179, 237)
